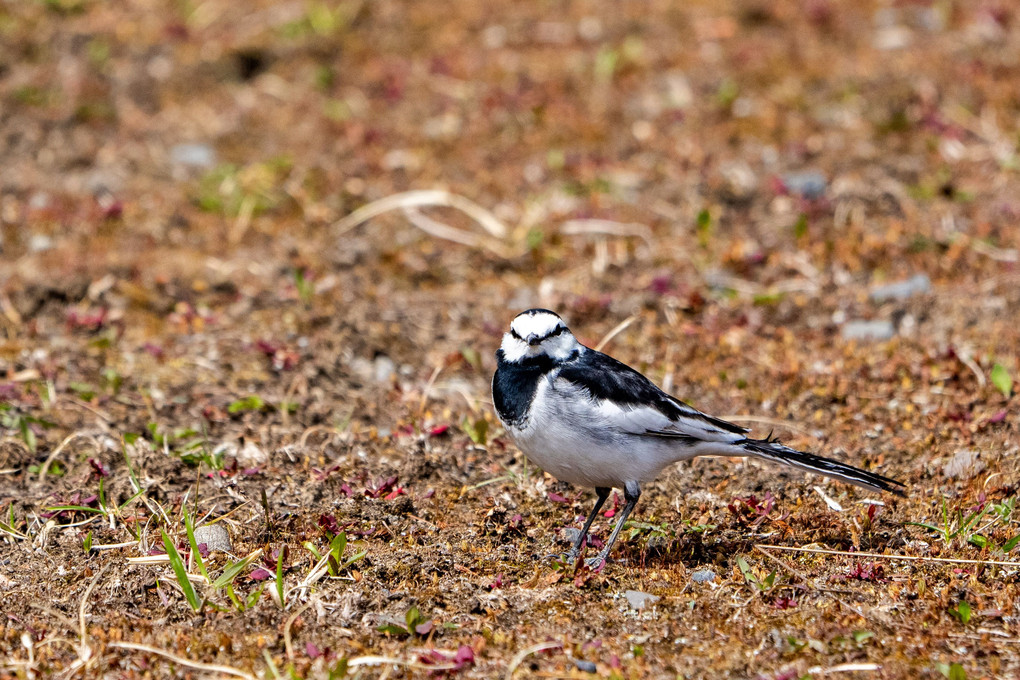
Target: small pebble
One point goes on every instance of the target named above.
(585, 666)
(252, 455)
(964, 464)
(703, 576)
(638, 599)
(879, 329)
(38, 243)
(570, 535)
(901, 290)
(809, 184)
(195, 155)
(384, 368)
(215, 537)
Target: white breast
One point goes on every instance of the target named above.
(596, 443)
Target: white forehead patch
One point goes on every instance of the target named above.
(537, 323)
(558, 345)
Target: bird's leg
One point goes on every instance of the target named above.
(631, 493)
(601, 493)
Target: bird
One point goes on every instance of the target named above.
(593, 421)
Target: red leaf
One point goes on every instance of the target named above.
(465, 656)
(556, 498)
(99, 468)
(312, 651)
(438, 430)
(260, 574)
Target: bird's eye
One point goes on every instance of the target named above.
(515, 334)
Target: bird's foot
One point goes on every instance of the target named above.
(561, 558)
(596, 564)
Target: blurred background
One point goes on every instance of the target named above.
(720, 165)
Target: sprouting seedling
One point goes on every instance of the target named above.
(227, 578)
(415, 624)
(335, 563)
(962, 612)
(953, 527)
(305, 286)
(763, 584)
(1002, 380)
(281, 599)
(103, 508)
(12, 419)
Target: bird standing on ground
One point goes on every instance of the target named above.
(588, 419)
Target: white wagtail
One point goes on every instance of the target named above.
(591, 420)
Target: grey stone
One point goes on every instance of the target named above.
(585, 666)
(703, 576)
(901, 290)
(570, 535)
(384, 368)
(964, 464)
(879, 329)
(807, 184)
(215, 537)
(638, 599)
(195, 155)
(38, 243)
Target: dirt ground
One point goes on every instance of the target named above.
(800, 215)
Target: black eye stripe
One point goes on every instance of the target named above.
(551, 334)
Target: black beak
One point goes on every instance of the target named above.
(534, 340)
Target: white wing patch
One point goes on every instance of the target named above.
(645, 420)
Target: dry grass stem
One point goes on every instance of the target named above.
(525, 653)
(608, 228)
(197, 665)
(421, 199)
(880, 556)
(56, 452)
(616, 330)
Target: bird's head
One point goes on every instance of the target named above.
(537, 333)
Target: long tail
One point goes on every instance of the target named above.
(772, 449)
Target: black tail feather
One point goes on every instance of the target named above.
(772, 449)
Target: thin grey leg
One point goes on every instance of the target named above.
(631, 493)
(601, 493)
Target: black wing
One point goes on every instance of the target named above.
(603, 377)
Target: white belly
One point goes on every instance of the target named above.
(566, 436)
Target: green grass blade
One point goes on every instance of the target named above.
(279, 578)
(232, 571)
(133, 497)
(196, 554)
(79, 508)
(181, 572)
